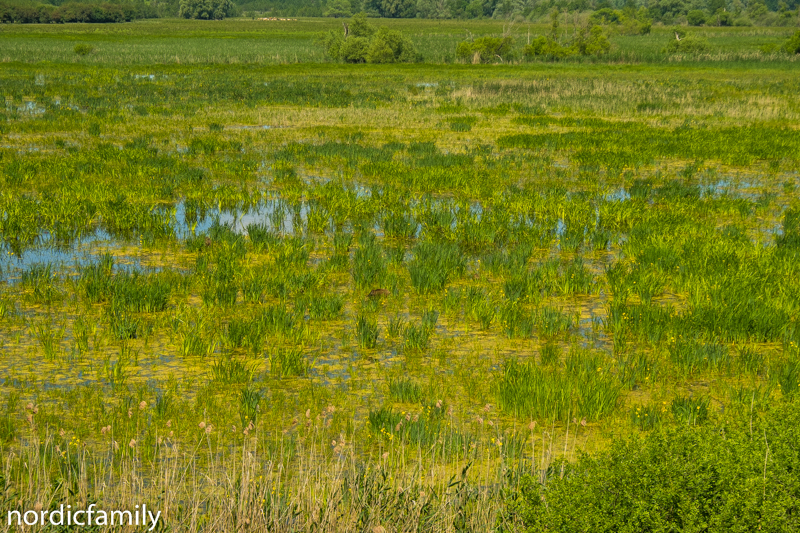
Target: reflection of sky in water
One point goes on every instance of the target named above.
(65, 260)
(266, 212)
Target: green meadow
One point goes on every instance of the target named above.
(256, 289)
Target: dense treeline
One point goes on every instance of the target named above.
(691, 12)
(74, 12)
(695, 12)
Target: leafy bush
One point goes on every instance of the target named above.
(792, 46)
(685, 479)
(690, 44)
(547, 47)
(591, 40)
(389, 46)
(363, 43)
(486, 49)
(354, 50)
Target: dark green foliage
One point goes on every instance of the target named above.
(390, 46)
(86, 12)
(363, 43)
(792, 45)
(205, 9)
(486, 49)
(683, 479)
(690, 45)
(696, 17)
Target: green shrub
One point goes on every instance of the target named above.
(546, 47)
(486, 49)
(591, 40)
(792, 46)
(363, 43)
(685, 479)
(390, 46)
(354, 50)
(83, 49)
(690, 44)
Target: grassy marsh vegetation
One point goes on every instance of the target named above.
(594, 252)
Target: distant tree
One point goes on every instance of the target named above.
(440, 9)
(339, 9)
(205, 9)
(361, 42)
(360, 26)
(696, 17)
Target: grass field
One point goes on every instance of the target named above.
(178, 41)
(191, 225)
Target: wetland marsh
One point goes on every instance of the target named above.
(572, 253)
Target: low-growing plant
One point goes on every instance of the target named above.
(229, 370)
(405, 390)
(396, 326)
(50, 339)
(83, 49)
(646, 417)
(416, 338)
(288, 361)
(690, 410)
(550, 354)
(367, 332)
(249, 401)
